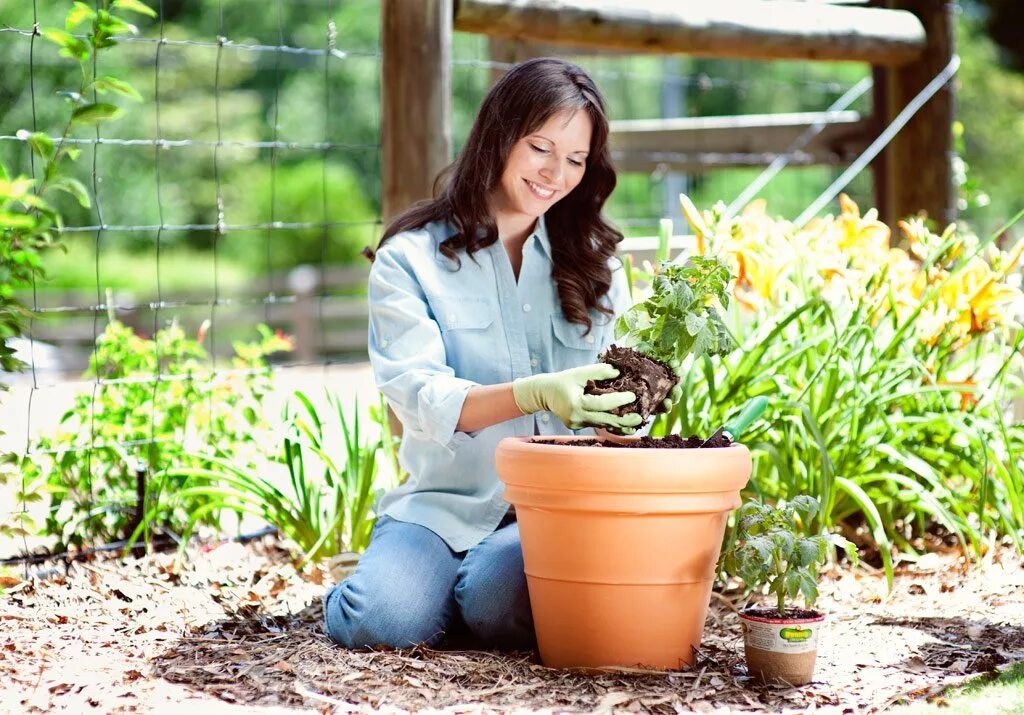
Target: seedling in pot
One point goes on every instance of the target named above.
(772, 551)
(654, 336)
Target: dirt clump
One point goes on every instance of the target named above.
(649, 379)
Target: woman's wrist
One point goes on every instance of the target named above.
(487, 405)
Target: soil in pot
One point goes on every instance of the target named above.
(672, 441)
(650, 380)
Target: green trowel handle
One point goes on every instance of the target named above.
(751, 411)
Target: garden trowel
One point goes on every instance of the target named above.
(750, 412)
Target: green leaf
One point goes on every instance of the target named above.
(40, 143)
(95, 113)
(113, 84)
(805, 504)
(809, 588)
(695, 323)
(70, 46)
(78, 14)
(74, 187)
(806, 552)
(135, 6)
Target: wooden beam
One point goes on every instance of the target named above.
(782, 29)
(697, 143)
(915, 172)
(415, 99)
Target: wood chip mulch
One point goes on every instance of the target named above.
(238, 627)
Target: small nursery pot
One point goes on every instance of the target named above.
(781, 649)
(620, 546)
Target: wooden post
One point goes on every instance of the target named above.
(416, 89)
(302, 282)
(915, 172)
(415, 99)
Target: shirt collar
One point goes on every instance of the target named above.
(541, 232)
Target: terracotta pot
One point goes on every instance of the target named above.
(620, 546)
(781, 650)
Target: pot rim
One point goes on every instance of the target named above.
(780, 620)
(557, 442)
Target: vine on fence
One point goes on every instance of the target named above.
(29, 221)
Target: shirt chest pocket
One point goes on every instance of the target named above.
(571, 348)
(468, 330)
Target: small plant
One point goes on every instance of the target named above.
(776, 550)
(323, 498)
(157, 401)
(679, 319)
(30, 222)
(771, 552)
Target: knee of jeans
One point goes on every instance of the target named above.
(353, 623)
(497, 617)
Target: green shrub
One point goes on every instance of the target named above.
(326, 506)
(889, 374)
(155, 401)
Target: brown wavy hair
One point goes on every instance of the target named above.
(582, 240)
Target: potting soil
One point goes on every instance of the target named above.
(672, 441)
(650, 380)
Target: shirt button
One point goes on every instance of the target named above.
(383, 343)
(589, 338)
(451, 318)
(533, 362)
(545, 417)
(526, 307)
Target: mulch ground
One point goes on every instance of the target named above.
(238, 627)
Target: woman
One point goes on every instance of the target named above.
(488, 308)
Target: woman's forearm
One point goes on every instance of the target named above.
(487, 405)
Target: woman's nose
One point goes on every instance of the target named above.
(552, 170)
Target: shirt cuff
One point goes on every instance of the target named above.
(439, 406)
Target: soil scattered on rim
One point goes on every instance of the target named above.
(650, 380)
(672, 441)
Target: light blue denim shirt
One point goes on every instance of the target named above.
(434, 333)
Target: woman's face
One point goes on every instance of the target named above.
(543, 167)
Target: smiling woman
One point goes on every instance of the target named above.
(468, 352)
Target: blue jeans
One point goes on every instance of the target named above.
(410, 588)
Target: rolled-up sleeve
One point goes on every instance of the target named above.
(407, 352)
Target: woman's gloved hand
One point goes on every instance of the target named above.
(676, 394)
(562, 393)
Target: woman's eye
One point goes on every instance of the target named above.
(542, 150)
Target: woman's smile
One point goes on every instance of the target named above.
(541, 192)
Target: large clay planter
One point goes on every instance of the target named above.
(620, 546)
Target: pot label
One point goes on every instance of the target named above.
(782, 637)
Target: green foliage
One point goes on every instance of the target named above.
(29, 221)
(298, 195)
(326, 505)
(154, 401)
(895, 420)
(990, 128)
(774, 550)
(678, 318)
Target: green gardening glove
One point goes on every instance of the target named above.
(562, 393)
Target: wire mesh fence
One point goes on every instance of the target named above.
(243, 185)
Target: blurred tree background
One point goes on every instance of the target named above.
(196, 91)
